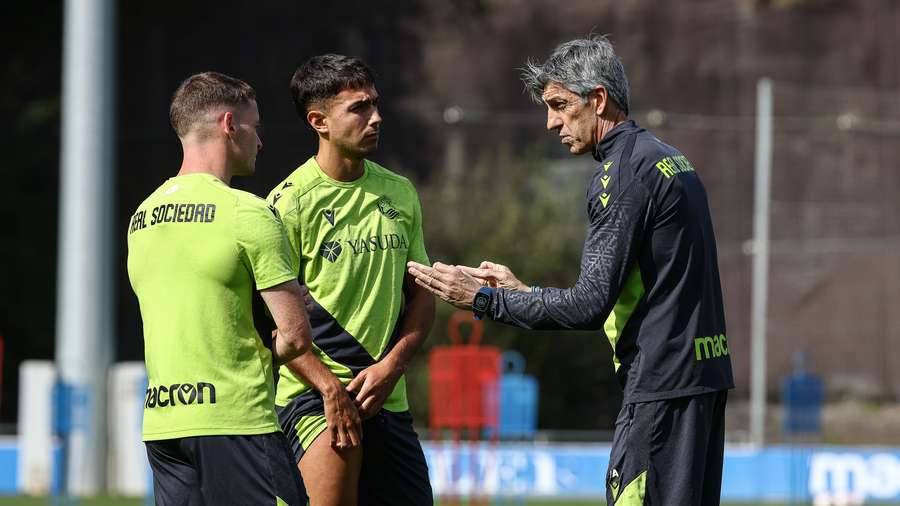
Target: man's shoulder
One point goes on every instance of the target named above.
(387, 178)
(379, 171)
(166, 188)
(177, 188)
(649, 148)
(299, 179)
(653, 159)
(149, 201)
(252, 208)
(246, 199)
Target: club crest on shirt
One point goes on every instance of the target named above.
(386, 207)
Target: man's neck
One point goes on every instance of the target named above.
(607, 123)
(205, 158)
(338, 166)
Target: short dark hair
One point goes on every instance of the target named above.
(199, 93)
(323, 77)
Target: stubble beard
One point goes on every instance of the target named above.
(359, 151)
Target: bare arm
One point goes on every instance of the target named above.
(375, 383)
(294, 337)
(341, 414)
(417, 320)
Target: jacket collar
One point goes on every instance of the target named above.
(614, 140)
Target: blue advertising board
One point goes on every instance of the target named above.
(822, 475)
(517, 469)
(8, 466)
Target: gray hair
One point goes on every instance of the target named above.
(580, 66)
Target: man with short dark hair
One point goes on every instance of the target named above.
(649, 278)
(353, 225)
(197, 248)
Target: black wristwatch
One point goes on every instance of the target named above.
(482, 301)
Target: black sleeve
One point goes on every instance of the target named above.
(610, 249)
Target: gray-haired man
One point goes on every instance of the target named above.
(649, 278)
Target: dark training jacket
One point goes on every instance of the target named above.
(649, 273)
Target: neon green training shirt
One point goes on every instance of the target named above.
(196, 250)
(351, 242)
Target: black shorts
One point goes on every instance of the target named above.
(668, 452)
(214, 470)
(394, 471)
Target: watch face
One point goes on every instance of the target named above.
(481, 302)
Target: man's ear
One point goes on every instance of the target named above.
(318, 121)
(602, 98)
(226, 123)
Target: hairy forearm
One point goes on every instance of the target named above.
(290, 344)
(294, 336)
(313, 372)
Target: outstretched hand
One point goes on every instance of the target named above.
(448, 282)
(496, 276)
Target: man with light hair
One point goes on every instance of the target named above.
(649, 279)
(197, 249)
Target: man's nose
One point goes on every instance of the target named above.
(553, 120)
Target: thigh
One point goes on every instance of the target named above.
(715, 452)
(175, 479)
(255, 469)
(330, 476)
(394, 470)
(302, 421)
(629, 459)
(684, 442)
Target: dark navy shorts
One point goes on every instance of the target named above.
(668, 452)
(215, 470)
(394, 471)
